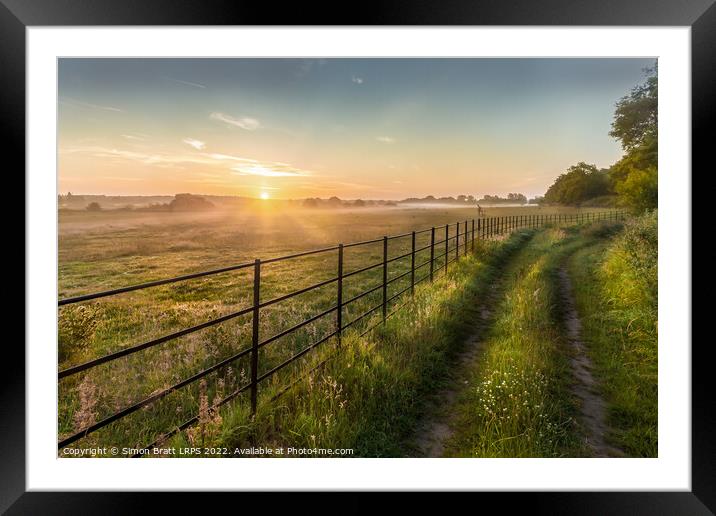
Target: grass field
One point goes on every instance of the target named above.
(517, 401)
(105, 250)
(616, 294)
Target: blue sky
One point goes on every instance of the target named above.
(356, 128)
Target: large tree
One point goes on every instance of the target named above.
(580, 183)
(635, 125)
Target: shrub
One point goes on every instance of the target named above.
(75, 329)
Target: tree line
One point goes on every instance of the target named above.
(631, 181)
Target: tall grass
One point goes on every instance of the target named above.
(517, 401)
(369, 395)
(615, 286)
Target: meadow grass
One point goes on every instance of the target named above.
(518, 400)
(369, 394)
(615, 286)
(100, 251)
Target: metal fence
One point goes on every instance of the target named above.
(444, 249)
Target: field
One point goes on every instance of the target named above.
(111, 249)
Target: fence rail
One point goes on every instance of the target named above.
(464, 237)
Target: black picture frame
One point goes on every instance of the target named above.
(700, 15)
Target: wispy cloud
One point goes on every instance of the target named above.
(136, 137)
(235, 165)
(306, 65)
(250, 124)
(385, 139)
(228, 157)
(156, 159)
(269, 170)
(197, 144)
(187, 83)
(357, 80)
(79, 103)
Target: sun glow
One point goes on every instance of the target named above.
(264, 195)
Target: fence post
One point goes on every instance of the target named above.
(255, 335)
(432, 252)
(472, 242)
(339, 313)
(447, 245)
(457, 238)
(457, 241)
(412, 266)
(385, 278)
(464, 240)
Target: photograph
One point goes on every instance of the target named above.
(357, 257)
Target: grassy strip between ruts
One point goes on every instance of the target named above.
(368, 396)
(517, 402)
(615, 286)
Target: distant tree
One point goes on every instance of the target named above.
(310, 203)
(190, 202)
(93, 206)
(359, 203)
(462, 198)
(635, 125)
(471, 198)
(517, 197)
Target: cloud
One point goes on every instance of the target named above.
(236, 165)
(187, 83)
(156, 159)
(306, 65)
(136, 137)
(197, 144)
(247, 123)
(224, 157)
(357, 80)
(78, 103)
(269, 170)
(385, 139)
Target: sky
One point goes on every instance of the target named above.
(370, 128)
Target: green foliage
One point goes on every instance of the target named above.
(632, 262)
(580, 183)
(636, 126)
(636, 117)
(639, 189)
(76, 327)
(616, 294)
